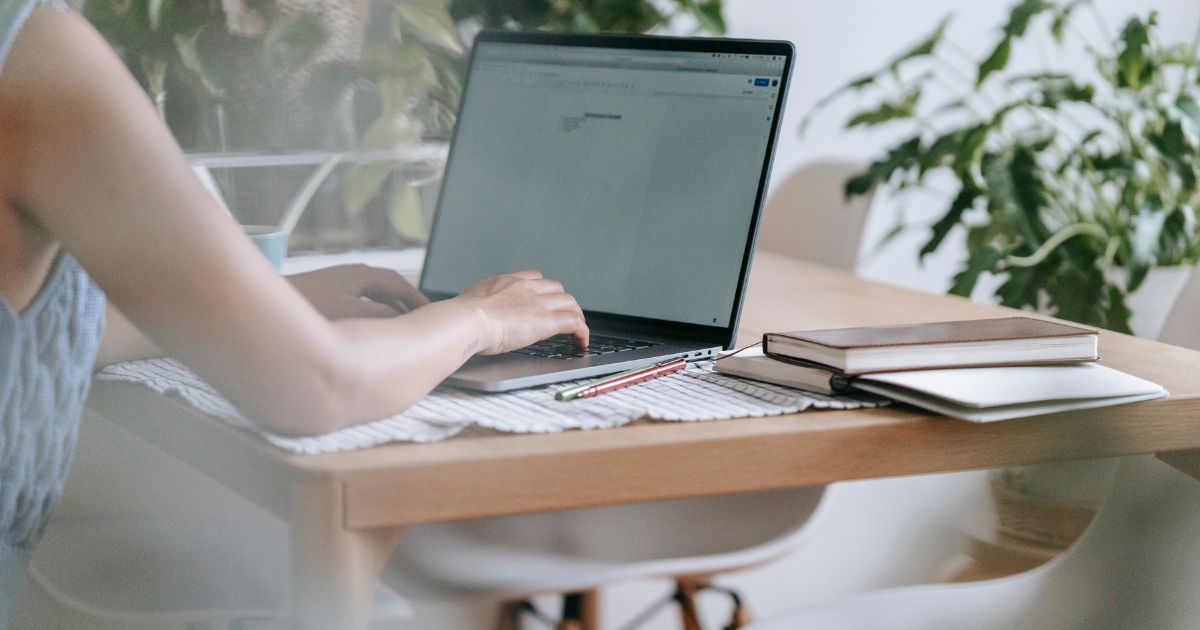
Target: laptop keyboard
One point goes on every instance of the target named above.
(564, 347)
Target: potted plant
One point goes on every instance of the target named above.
(1071, 189)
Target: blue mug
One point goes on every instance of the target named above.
(270, 240)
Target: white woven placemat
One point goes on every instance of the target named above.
(696, 394)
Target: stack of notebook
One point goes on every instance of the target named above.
(979, 370)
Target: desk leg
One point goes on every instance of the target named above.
(334, 569)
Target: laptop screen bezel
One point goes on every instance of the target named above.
(723, 336)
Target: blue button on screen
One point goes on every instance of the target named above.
(762, 82)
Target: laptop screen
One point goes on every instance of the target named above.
(629, 175)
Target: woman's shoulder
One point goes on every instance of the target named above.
(13, 14)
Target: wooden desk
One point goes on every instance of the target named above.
(346, 509)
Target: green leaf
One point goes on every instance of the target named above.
(189, 56)
(1135, 274)
(860, 184)
(1117, 313)
(986, 259)
(900, 157)
(969, 155)
(1022, 15)
(964, 201)
(941, 151)
(1189, 106)
(1133, 65)
(955, 105)
(708, 14)
(1174, 238)
(1053, 89)
(361, 183)
(853, 86)
(1018, 23)
(1061, 17)
(1059, 25)
(155, 69)
(404, 213)
(431, 23)
(1079, 294)
(861, 82)
(1024, 285)
(900, 109)
(924, 48)
(1015, 193)
(292, 41)
(154, 13)
(117, 22)
(1030, 190)
(996, 61)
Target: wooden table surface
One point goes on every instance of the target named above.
(345, 508)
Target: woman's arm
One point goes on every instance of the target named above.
(339, 292)
(122, 341)
(85, 156)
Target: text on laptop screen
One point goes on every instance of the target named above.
(629, 175)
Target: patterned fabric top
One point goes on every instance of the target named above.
(46, 358)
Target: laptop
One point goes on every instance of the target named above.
(630, 168)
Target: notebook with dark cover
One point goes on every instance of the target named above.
(753, 364)
(968, 343)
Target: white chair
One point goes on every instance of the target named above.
(164, 574)
(1137, 565)
(1182, 327)
(807, 216)
(577, 552)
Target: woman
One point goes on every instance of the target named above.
(92, 187)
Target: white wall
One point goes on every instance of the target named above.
(837, 40)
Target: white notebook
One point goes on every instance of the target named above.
(1002, 393)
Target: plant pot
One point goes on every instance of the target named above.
(1152, 302)
(1049, 505)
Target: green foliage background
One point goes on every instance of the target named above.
(412, 67)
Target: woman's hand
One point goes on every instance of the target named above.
(358, 291)
(522, 308)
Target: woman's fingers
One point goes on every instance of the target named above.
(523, 308)
(573, 324)
(544, 286)
(370, 308)
(389, 287)
(560, 302)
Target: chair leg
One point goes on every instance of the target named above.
(686, 589)
(741, 616)
(685, 595)
(510, 616)
(581, 611)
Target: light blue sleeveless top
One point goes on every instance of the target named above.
(46, 357)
